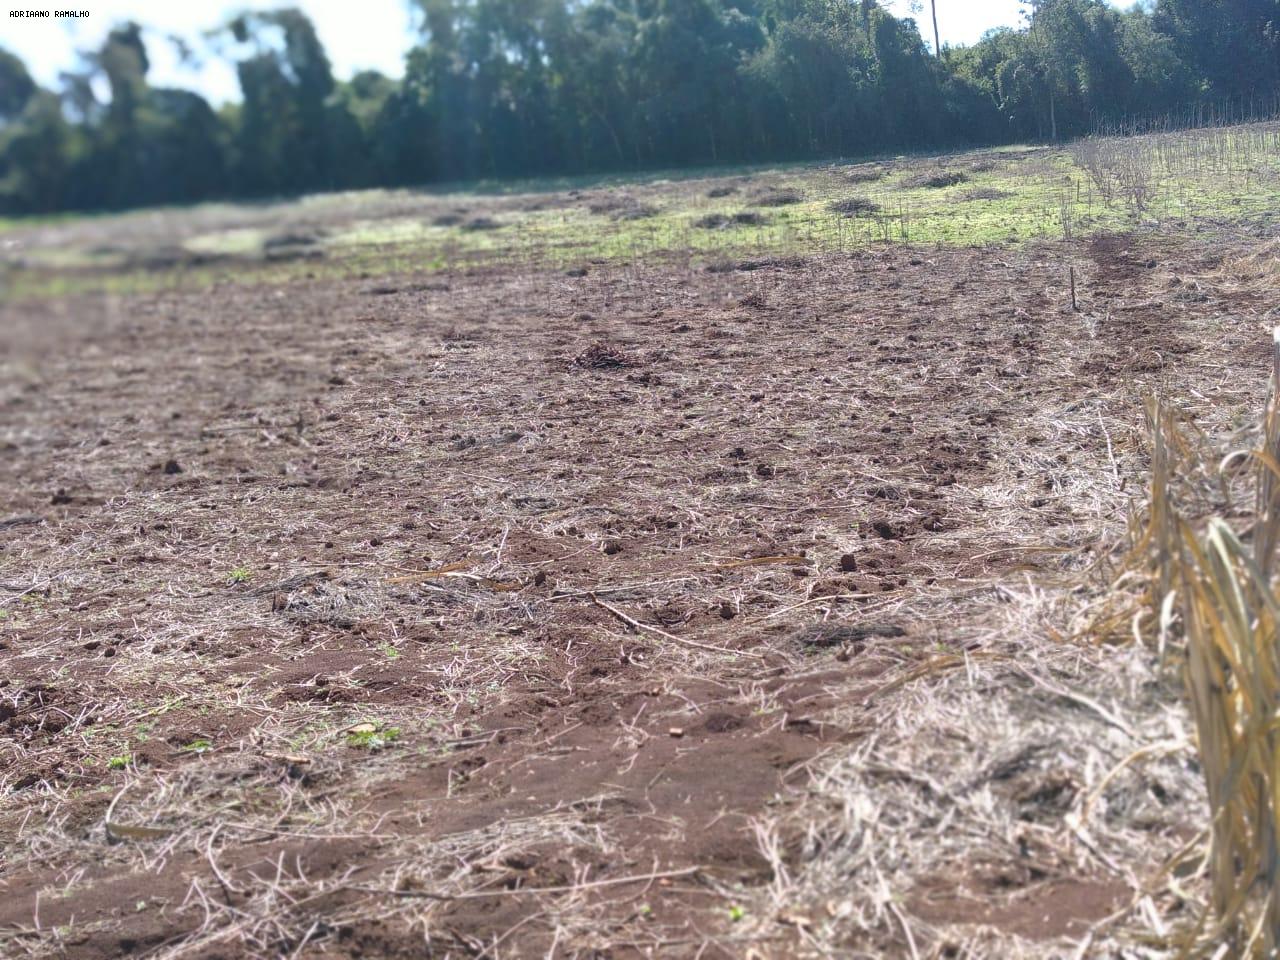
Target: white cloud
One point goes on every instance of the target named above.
(370, 34)
(960, 21)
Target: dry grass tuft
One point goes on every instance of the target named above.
(864, 176)
(778, 197)
(721, 221)
(854, 207)
(602, 356)
(936, 179)
(1256, 271)
(1211, 584)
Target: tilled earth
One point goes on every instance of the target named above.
(492, 613)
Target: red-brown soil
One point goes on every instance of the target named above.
(217, 508)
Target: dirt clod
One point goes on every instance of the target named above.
(602, 356)
(887, 530)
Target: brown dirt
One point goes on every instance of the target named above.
(795, 443)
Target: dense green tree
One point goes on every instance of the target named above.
(141, 146)
(1232, 45)
(502, 88)
(284, 141)
(118, 161)
(596, 76)
(183, 158)
(16, 86)
(692, 95)
(35, 157)
(406, 131)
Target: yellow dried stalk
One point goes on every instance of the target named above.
(1220, 591)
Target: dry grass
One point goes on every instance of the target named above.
(950, 701)
(615, 502)
(1212, 593)
(990, 800)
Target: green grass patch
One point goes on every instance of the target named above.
(1013, 196)
(371, 736)
(245, 242)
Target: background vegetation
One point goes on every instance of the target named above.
(508, 88)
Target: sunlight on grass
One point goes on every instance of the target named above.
(228, 242)
(1182, 181)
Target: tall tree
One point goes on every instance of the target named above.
(498, 88)
(35, 157)
(16, 86)
(284, 143)
(1233, 44)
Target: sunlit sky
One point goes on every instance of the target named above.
(358, 34)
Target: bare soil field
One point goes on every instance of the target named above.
(641, 610)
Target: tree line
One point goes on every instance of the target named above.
(517, 88)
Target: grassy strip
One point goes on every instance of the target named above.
(1180, 181)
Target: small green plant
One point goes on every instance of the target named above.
(390, 652)
(736, 913)
(120, 762)
(199, 745)
(240, 575)
(369, 736)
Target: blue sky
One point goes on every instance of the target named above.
(357, 35)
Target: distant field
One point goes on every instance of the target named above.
(734, 566)
(1171, 182)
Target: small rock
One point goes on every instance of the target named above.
(849, 563)
(172, 467)
(612, 547)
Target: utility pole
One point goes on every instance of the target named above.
(937, 44)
